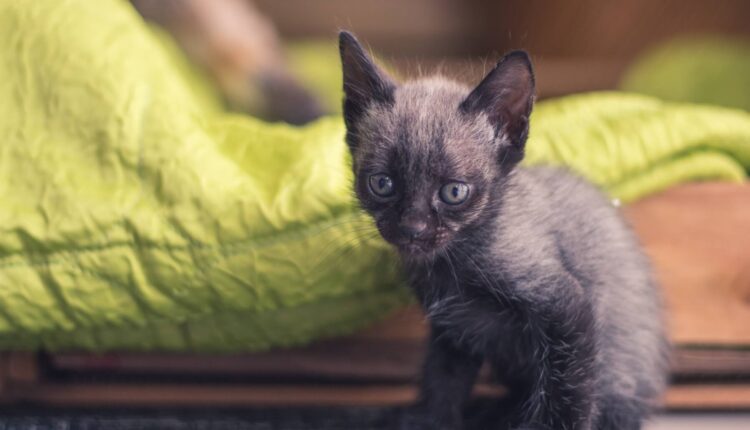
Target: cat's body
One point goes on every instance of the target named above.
(492, 293)
(530, 269)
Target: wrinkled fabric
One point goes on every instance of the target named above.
(633, 145)
(136, 214)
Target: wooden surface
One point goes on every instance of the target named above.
(344, 361)
(89, 391)
(698, 236)
(707, 396)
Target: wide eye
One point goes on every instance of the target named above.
(454, 193)
(382, 185)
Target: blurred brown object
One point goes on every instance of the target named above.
(697, 235)
(448, 28)
(239, 47)
(576, 45)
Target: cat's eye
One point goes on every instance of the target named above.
(454, 193)
(382, 185)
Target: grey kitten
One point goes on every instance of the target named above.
(529, 269)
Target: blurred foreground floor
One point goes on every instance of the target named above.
(284, 419)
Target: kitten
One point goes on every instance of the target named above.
(529, 269)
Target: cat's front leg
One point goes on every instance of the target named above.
(563, 344)
(448, 376)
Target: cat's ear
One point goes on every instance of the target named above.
(364, 82)
(506, 96)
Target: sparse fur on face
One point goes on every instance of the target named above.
(529, 269)
(429, 133)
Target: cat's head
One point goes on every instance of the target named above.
(429, 154)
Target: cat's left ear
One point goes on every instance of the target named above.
(365, 83)
(506, 96)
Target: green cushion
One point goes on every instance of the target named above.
(135, 213)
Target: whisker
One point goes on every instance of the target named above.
(459, 287)
(337, 247)
(493, 286)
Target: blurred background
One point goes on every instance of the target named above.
(274, 58)
(577, 45)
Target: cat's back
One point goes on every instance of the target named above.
(584, 228)
(590, 237)
(574, 212)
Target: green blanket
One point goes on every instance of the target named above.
(136, 214)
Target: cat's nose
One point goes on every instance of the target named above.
(413, 228)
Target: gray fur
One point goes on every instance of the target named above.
(537, 263)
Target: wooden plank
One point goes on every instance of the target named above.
(3, 373)
(704, 397)
(679, 397)
(22, 368)
(348, 359)
(351, 359)
(711, 362)
(77, 394)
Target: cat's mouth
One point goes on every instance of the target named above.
(417, 249)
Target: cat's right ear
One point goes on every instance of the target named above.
(364, 83)
(506, 95)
